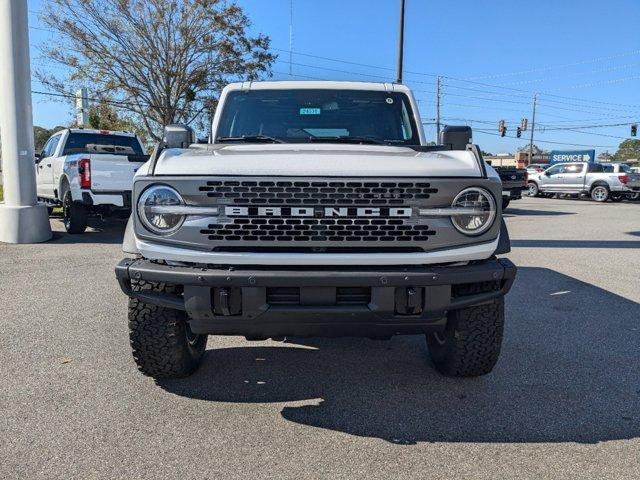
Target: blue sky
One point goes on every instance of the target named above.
(582, 57)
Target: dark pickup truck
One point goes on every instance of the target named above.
(514, 182)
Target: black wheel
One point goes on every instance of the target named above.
(74, 215)
(633, 196)
(505, 202)
(600, 193)
(533, 189)
(163, 345)
(617, 197)
(470, 344)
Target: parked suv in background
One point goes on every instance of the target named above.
(581, 178)
(88, 172)
(318, 210)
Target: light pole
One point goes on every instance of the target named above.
(533, 126)
(22, 219)
(401, 43)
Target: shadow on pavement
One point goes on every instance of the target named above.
(615, 244)
(109, 231)
(568, 373)
(511, 212)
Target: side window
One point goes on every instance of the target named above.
(598, 168)
(54, 145)
(572, 168)
(50, 147)
(555, 169)
(46, 148)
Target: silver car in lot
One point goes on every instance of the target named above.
(600, 181)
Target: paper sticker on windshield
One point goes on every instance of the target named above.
(310, 111)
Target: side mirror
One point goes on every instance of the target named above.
(38, 156)
(546, 173)
(457, 137)
(178, 136)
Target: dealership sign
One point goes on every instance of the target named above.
(560, 156)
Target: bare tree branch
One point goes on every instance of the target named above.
(164, 61)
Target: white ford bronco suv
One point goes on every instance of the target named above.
(316, 210)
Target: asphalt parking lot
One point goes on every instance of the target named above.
(563, 401)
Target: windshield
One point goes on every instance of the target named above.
(102, 143)
(300, 116)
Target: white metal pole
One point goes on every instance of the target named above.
(22, 219)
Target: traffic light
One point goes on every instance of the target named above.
(634, 130)
(501, 128)
(523, 124)
(519, 132)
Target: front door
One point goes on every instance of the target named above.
(44, 168)
(573, 174)
(551, 179)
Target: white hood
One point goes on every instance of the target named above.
(315, 160)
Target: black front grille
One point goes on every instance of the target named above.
(353, 295)
(327, 193)
(283, 296)
(290, 296)
(318, 230)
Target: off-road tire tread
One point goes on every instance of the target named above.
(474, 347)
(157, 337)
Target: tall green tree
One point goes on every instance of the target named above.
(42, 134)
(628, 149)
(162, 61)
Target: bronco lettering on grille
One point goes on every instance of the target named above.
(317, 212)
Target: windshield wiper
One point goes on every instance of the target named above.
(251, 139)
(349, 139)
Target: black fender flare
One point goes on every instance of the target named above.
(504, 243)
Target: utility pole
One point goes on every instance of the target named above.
(401, 43)
(438, 111)
(82, 107)
(22, 219)
(533, 127)
(290, 37)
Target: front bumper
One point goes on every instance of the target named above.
(363, 301)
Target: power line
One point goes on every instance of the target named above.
(486, 132)
(553, 67)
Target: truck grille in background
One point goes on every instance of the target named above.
(244, 192)
(318, 230)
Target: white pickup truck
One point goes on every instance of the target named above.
(88, 172)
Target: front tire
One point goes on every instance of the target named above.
(470, 344)
(533, 190)
(162, 343)
(74, 215)
(600, 193)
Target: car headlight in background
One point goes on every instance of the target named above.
(157, 209)
(476, 211)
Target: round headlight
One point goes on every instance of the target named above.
(478, 211)
(154, 209)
